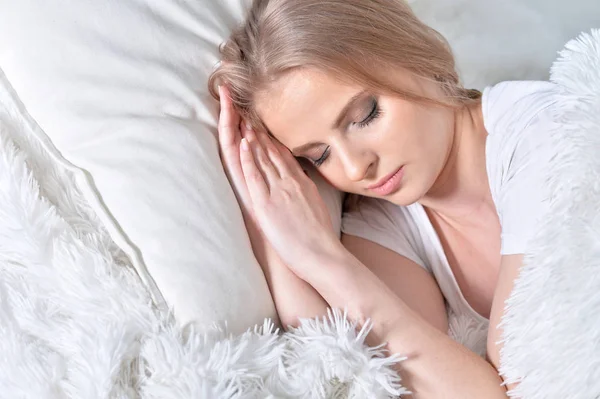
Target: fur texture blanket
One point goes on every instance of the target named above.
(552, 322)
(75, 322)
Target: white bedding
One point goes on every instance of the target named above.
(77, 322)
(118, 86)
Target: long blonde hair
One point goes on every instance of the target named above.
(355, 40)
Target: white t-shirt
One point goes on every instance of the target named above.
(517, 117)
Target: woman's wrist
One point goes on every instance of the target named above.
(325, 258)
(345, 283)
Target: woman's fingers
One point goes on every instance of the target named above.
(229, 121)
(262, 158)
(229, 145)
(229, 136)
(257, 186)
(292, 164)
(245, 129)
(274, 154)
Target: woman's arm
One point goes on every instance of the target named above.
(409, 281)
(294, 219)
(437, 367)
(509, 271)
(293, 297)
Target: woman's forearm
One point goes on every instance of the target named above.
(437, 367)
(294, 298)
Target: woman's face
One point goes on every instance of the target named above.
(361, 142)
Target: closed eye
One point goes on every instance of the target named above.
(322, 158)
(374, 113)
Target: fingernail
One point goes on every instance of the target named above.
(244, 144)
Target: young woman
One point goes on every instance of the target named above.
(445, 184)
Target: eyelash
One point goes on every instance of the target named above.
(322, 158)
(374, 114)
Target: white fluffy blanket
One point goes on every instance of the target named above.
(75, 322)
(552, 323)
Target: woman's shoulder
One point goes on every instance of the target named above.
(519, 148)
(513, 105)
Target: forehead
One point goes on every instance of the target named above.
(302, 105)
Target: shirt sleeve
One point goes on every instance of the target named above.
(386, 224)
(524, 194)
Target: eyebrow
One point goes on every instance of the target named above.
(338, 121)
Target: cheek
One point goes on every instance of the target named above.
(334, 175)
(402, 131)
(433, 131)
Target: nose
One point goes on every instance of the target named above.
(357, 162)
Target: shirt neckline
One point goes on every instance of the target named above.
(446, 269)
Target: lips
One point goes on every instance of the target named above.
(389, 183)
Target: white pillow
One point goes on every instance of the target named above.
(119, 86)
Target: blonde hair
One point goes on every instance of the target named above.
(354, 40)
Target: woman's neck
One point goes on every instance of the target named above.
(462, 188)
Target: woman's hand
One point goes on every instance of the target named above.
(285, 202)
(293, 297)
(283, 211)
(230, 136)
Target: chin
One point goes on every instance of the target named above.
(402, 200)
(408, 194)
